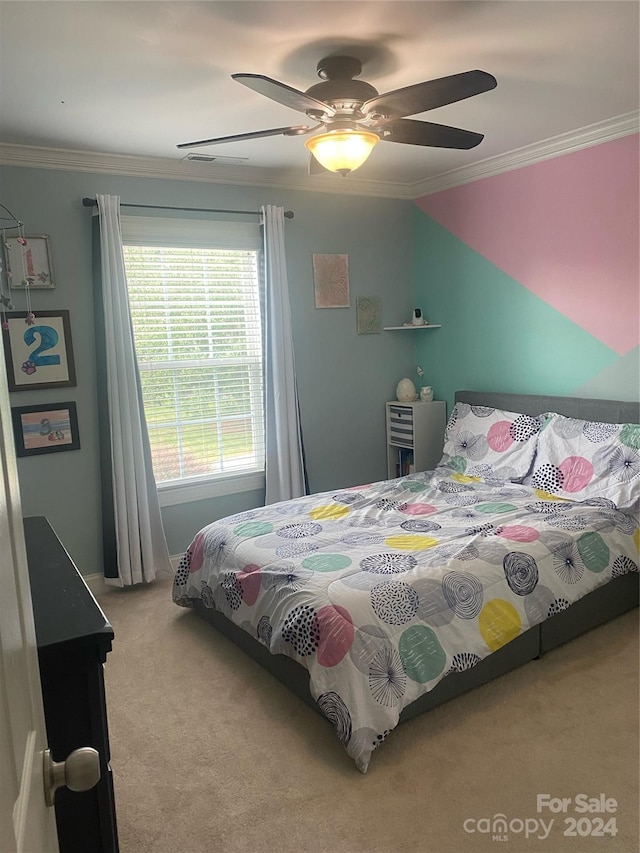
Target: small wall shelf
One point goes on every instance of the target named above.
(412, 328)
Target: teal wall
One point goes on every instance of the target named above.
(496, 335)
(344, 379)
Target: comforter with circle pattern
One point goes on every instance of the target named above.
(382, 590)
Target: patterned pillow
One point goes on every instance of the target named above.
(490, 444)
(579, 460)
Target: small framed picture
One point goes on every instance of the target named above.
(29, 259)
(368, 315)
(46, 428)
(331, 281)
(38, 355)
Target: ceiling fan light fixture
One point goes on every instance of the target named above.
(342, 150)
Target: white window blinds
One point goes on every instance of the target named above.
(195, 308)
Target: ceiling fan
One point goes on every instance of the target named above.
(353, 117)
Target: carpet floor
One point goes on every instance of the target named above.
(210, 754)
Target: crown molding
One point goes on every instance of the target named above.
(65, 159)
(180, 170)
(555, 146)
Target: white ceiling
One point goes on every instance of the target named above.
(136, 78)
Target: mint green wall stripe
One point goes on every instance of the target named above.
(496, 335)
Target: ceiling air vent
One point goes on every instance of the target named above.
(215, 158)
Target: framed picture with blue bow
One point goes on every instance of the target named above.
(38, 350)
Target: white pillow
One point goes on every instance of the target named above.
(490, 443)
(580, 459)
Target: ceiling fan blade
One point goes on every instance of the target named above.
(284, 94)
(430, 94)
(426, 133)
(256, 134)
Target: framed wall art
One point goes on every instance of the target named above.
(47, 428)
(331, 281)
(30, 260)
(38, 355)
(368, 315)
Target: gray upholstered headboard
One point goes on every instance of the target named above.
(605, 411)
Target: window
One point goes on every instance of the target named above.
(195, 309)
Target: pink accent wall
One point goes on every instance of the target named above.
(567, 229)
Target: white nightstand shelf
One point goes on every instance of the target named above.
(412, 328)
(415, 436)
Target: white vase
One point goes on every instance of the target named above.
(406, 391)
(426, 394)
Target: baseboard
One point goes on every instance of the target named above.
(99, 586)
(96, 583)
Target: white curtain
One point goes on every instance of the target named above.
(140, 543)
(284, 467)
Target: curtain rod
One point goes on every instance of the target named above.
(91, 202)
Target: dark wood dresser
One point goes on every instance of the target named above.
(73, 638)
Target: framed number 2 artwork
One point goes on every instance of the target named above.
(38, 355)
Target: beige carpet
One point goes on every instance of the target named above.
(210, 753)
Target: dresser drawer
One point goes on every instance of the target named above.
(401, 425)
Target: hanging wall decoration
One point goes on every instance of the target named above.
(28, 262)
(331, 281)
(38, 353)
(368, 315)
(5, 299)
(8, 223)
(23, 265)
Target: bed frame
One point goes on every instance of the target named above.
(596, 608)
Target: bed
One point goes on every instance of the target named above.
(379, 602)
